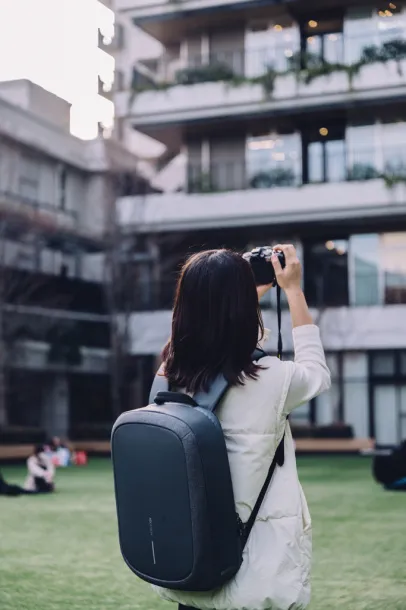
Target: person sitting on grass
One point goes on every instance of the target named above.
(41, 472)
(9, 489)
(59, 452)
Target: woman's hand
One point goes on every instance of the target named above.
(290, 277)
(262, 290)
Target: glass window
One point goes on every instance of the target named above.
(327, 47)
(63, 175)
(377, 269)
(393, 137)
(29, 178)
(271, 45)
(334, 48)
(362, 152)
(403, 366)
(274, 160)
(383, 364)
(392, 257)
(366, 26)
(364, 270)
(316, 162)
(326, 161)
(335, 161)
(386, 415)
(326, 273)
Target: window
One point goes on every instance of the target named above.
(274, 160)
(326, 272)
(325, 154)
(366, 26)
(326, 47)
(393, 140)
(322, 39)
(363, 160)
(365, 286)
(63, 176)
(29, 178)
(376, 148)
(363, 270)
(392, 257)
(270, 44)
(388, 376)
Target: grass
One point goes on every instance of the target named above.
(61, 553)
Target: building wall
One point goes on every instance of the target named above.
(342, 329)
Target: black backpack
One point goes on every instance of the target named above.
(178, 526)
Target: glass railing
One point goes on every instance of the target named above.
(251, 63)
(324, 163)
(368, 289)
(235, 175)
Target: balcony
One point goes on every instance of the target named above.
(47, 215)
(344, 328)
(256, 207)
(336, 180)
(145, 11)
(252, 83)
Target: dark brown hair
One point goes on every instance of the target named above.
(216, 321)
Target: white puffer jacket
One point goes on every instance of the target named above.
(277, 559)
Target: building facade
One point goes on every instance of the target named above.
(292, 120)
(56, 197)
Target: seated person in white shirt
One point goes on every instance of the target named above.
(41, 472)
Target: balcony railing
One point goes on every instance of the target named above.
(341, 164)
(253, 65)
(16, 202)
(324, 290)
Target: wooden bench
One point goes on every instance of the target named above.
(22, 452)
(334, 445)
(303, 445)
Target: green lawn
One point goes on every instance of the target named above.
(61, 552)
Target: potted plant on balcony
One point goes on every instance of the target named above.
(211, 72)
(361, 172)
(201, 183)
(279, 176)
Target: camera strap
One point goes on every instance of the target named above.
(279, 315)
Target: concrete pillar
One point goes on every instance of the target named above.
(56, 406)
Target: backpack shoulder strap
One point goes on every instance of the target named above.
(160, 384)
(208, 400)
(279, 459)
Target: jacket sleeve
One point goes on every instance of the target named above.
(311, 375)
(33, 468)
(50, 467)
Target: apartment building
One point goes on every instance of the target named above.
(56, 197)
(292, 119)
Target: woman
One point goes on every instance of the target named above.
(41, 471)
(215, 328)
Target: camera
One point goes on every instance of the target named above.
(262, 268)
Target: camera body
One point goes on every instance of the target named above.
(262, 268)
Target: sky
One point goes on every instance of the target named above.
(54, 43)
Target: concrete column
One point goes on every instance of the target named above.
(56, 406)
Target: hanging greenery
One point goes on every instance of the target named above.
(204, 73)
(278, 176)
(393, 178)
(361, 172)
(305, 66)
